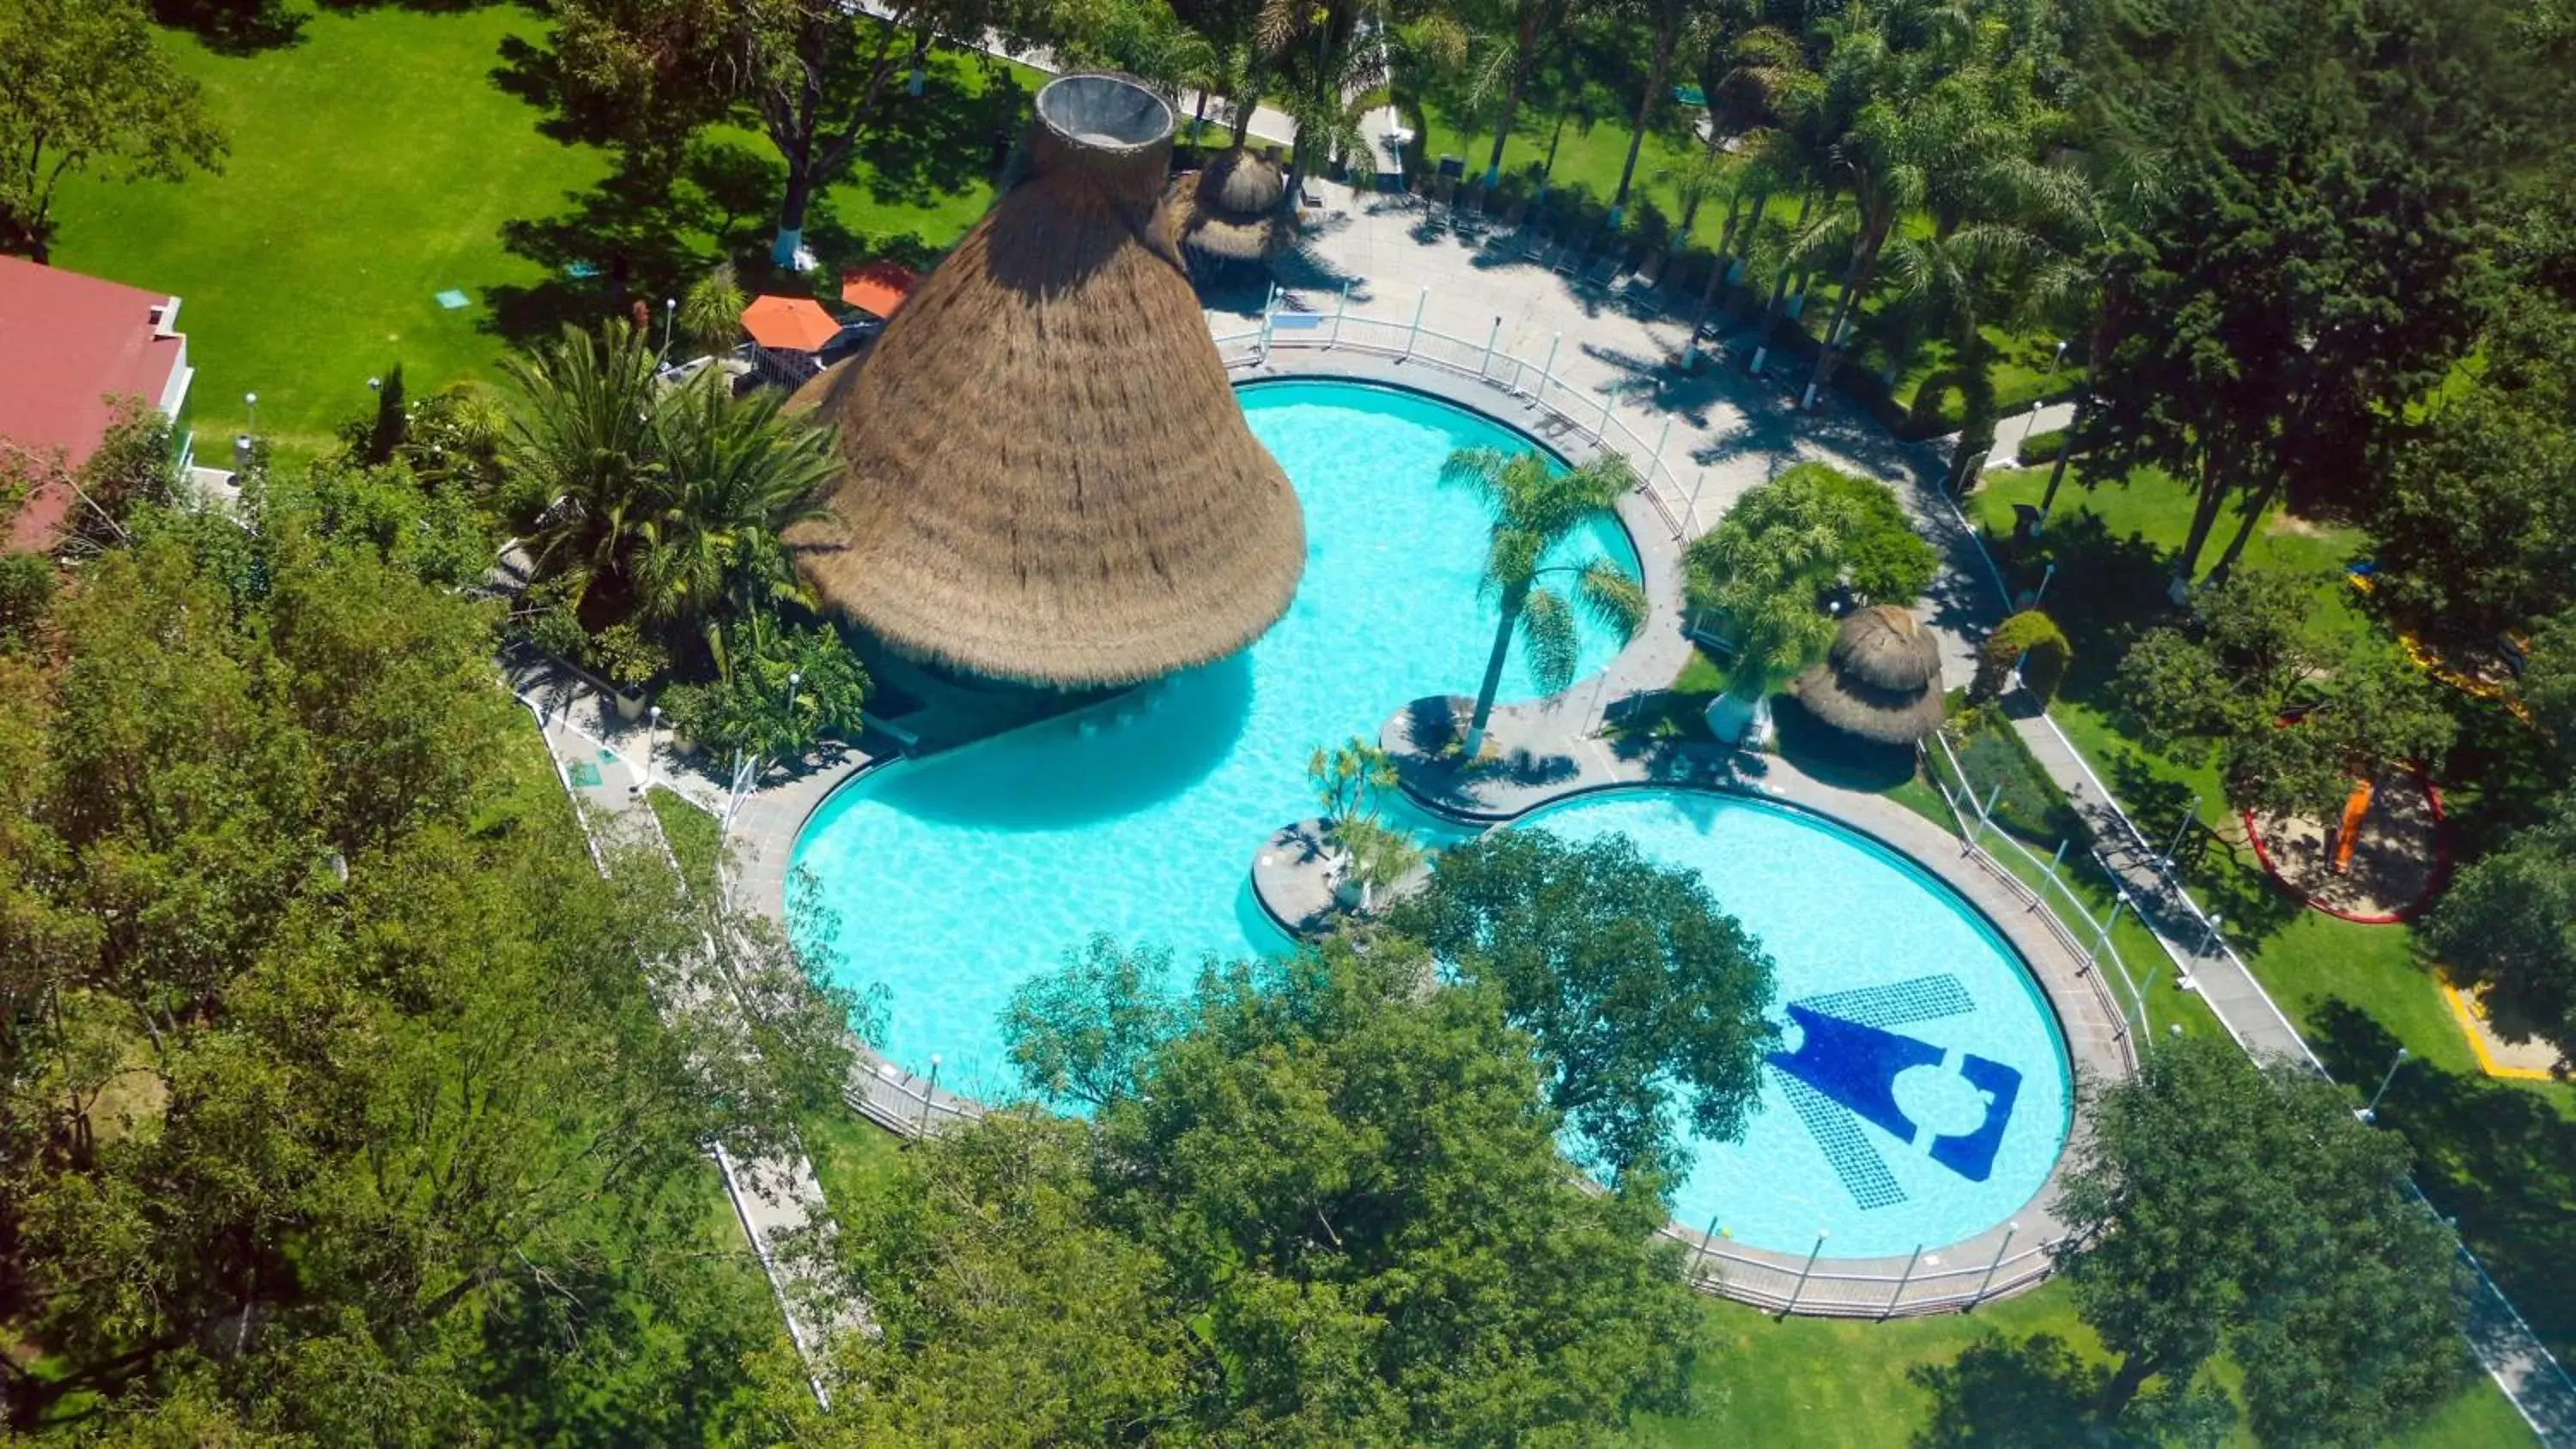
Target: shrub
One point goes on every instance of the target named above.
(2042, 446)
(2031, 639)
(755, 710)
(624, 657)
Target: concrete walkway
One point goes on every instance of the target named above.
(778, 1198)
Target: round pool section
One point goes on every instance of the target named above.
(958, 877)
(1920, 1093)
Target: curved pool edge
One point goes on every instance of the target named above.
(2001, 1261)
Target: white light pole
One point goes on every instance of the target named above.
(250, 403)
(927, 1093)
(2033, 420)
(2045, 575)
(652, 726)
(2371, 1113)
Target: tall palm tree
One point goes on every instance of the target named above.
(580, 449)
(1761, 571)
(1535, 508)
(732, 476)
(1667, 21)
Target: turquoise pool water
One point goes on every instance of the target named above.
(958, 877)
(1908, 1009)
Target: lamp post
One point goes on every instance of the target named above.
(250, 405)
(670, 314)
(2045, 575)
(652, 727)
(2371, 1113)
(927, 1094)
(2032, 421)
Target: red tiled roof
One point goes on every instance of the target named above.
(879, 287)
(68, 344)
(789, 324)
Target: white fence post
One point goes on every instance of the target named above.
(1547, 369)
(1601, 429)
(1338, 312)
(1662, 438)
(1414, 335)
(1902, 1279)
(1496, 335)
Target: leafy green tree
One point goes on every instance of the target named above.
(1330, 1211)
(1768, 567)
(2508, 924)
(2217, 1206)
(2474, 534)
(2317, 255)
(83, 87)
(1642, 995)
(2293, 725)
(1536, 507)
(340, 1094)
(26, 597)
(1085, 1033)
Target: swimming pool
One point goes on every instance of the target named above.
(1920, 1094)
(958, 877)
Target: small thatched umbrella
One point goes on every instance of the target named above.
(1048, 478)
(1881, 681)
(1236, 211)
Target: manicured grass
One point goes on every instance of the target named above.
(379, 160)
(694, 838)
(372, 166)
(1810, 1383)
(849, 1152)
(1587, 160)
(2500, 1156)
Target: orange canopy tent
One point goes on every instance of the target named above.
(789, 324)
(879, 287)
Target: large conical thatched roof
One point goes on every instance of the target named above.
(1882, 680)
(1047, 478)
(1237, 209)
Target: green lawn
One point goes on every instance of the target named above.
(694, 838)
(1812, 1383)
(2498, 1155)
(378, 161)
(1587, 160)
(849, 1152)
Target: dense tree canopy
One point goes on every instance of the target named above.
(1645, 999)
(2314, 256)
(2217, 1205)
(84, 87)
(2293, 723)
(343, 1097)
(1329, 1210)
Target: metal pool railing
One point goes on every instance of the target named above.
(1928, 1283)
(1589, 415)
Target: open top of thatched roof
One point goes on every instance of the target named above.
(1235, 208)
(1881, 681)
(1047, 477)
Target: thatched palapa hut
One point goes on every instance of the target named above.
(1881, 681)
(1236, 212)
(1047, 478)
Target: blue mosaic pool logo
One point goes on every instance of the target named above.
(1847, 1065)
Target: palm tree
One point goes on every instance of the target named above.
(580, 449)
(711, 309)
(732, 475)
(1667, 19)
(1762, 571)
(1532, 24)
(1535, 508)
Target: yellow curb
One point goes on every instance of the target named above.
(2467, 1015)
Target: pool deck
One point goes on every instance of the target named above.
(1550, 749)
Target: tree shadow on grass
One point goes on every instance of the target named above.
(2499, 1159)
(2037, 1393)
(234, 27)
(942, 143)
